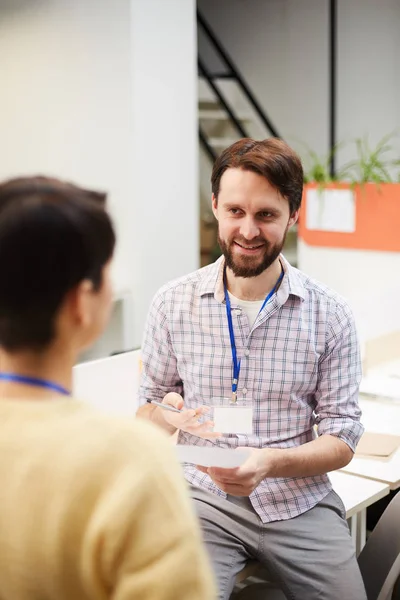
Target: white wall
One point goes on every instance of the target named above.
(104, 93)
(281, 46)
(367, 279)
(368, 79)
(65, 94)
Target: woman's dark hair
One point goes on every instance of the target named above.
(53, 235)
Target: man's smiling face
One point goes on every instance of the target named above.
(253, 219)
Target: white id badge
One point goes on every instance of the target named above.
(232, 417)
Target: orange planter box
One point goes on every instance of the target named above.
(377, 219)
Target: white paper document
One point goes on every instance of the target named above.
(206, 456)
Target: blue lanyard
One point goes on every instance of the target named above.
(35, 382)
(235, 361)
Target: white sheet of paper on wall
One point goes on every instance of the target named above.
(331, 210)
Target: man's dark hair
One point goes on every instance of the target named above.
(272, 159)
(53, 235)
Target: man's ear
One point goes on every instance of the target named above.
(214, 204)
(293, 218)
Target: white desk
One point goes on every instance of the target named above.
(381, 416)
(383, 380)
(389, 369)
(381, 384)
(110, 384)
(357, 494)
(384, 471)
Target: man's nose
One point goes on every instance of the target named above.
(249, 229)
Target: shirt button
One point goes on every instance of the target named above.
(247, 352)
(244, 391)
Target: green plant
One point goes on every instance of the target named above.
(396, 163)
(372, 164)
(317, 169)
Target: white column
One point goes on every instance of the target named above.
(164, 241)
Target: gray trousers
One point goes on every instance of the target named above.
(310, 557)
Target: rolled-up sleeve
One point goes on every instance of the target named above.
(337, 410)
(159, 367)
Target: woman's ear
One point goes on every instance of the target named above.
(80, 301)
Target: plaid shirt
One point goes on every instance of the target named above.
(300, 366)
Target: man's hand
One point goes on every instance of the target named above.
(242, 481)
(322, 455)
(188, 420)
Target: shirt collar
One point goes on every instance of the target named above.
(213, 283)
(292, 280)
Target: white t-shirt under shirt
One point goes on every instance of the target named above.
(250, 307)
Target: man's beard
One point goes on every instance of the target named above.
(250, 266)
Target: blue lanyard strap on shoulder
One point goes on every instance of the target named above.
(235, 361)
(35, 381)
(272, 292)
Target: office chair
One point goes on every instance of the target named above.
(380, 558)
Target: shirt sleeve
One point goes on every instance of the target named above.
(339, 376)
(159, 365)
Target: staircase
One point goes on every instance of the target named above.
(227, 112)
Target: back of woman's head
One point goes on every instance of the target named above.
(53, 235)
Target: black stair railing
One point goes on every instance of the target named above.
(233, 73)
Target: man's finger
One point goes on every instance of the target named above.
(202, 410)
(188, 415)
(225, 474)
(203, 433)
(173, 399)
(232, 488)
(208, 425)
(202, 469)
